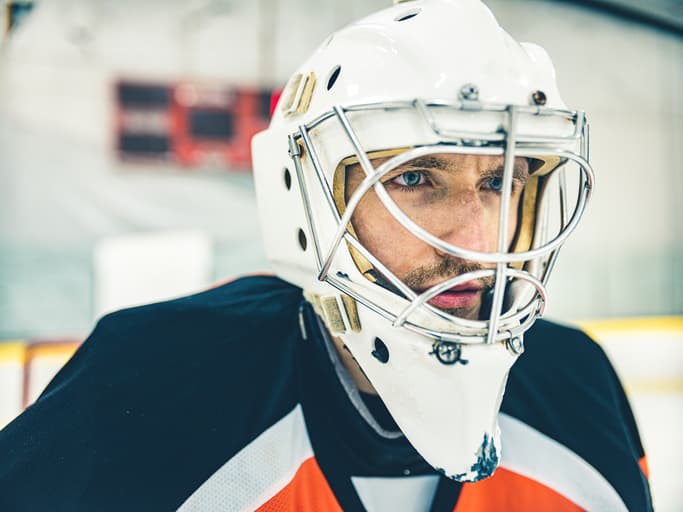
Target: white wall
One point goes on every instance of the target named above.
(61, 188)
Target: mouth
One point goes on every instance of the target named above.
(462, 296)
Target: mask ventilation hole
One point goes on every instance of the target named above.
(334, 74)
(303, 243)
(381, 352)
(408, 15)
(287, 178)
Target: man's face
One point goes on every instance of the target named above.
(452, 196)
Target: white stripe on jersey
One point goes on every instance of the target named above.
(530, 453)
(258, 471)
(404, 493)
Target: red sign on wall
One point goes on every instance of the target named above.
(189, 124)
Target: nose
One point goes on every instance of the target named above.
(466, 223)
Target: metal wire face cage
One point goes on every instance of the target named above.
(554, 199)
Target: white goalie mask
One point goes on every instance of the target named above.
(423, 89)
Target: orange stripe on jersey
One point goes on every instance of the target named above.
(308, 491)
(644, 467)
(511, 492)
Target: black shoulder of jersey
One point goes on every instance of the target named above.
(155, 400)
(564, 386)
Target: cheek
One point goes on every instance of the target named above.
(383, 235)
(512, 219)
(490, 223)
(372, 224)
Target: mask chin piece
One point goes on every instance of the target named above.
(484, 467)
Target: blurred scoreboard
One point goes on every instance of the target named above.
(192, 125)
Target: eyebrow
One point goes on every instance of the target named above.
(519, 172)
(428, 162)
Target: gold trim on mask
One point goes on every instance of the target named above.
(351, 312)
(339, 195)
(529, 204)
(332, 314)
(327, 307)
(298, 94)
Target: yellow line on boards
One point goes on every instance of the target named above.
(672, 386)
(61, 349)
(642, 324)
(14, 350)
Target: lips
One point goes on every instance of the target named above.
(462, 296)
(455, 300)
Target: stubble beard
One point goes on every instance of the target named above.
(448, 267)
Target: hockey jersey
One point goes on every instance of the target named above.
(230, 400)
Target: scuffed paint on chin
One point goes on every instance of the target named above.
(484, 467)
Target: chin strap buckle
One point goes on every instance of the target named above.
(515, 345)
(448, 352)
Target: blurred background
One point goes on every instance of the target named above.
(125, 172)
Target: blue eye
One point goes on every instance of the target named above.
(410, 179)
(495, 183)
